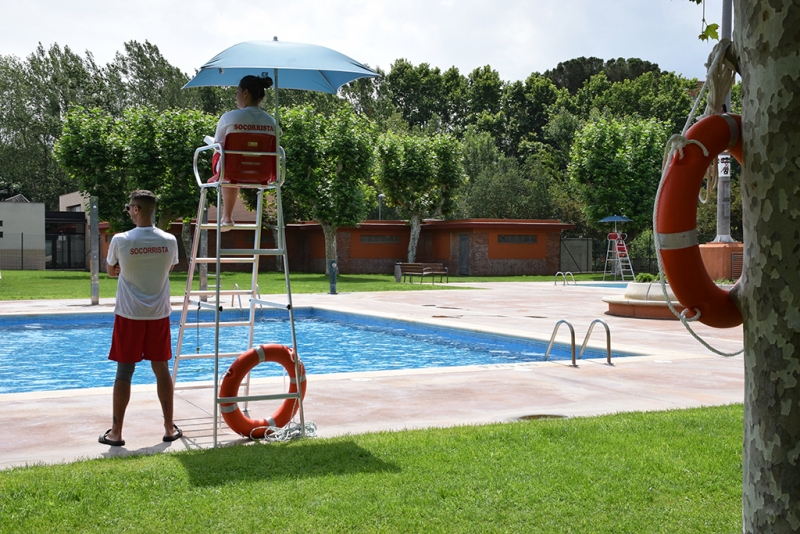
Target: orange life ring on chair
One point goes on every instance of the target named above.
(231, 413)
(676, 221)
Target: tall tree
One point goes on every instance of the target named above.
(427, 98)
(419, 175)
(91, 152)
(572, 74)
(146, 78)
(144, 149)
(618, 166)
(766, 34)
(331, 160)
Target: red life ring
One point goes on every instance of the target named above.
(233, 416)
(676, 221)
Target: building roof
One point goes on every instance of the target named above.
(17, 198)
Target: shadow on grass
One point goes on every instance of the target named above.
(259, 461)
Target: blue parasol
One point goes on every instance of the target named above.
(615, 219)
(294, 65)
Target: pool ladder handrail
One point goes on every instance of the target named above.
(564, 275)
(585, 340)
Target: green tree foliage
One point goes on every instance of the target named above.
(511, 190)
(572, 74)
(427, 97)
(36, 95)
(329, 161)
(420, 176)
(145, 149)
(91, 152)
(617, 164)
(141, 76)
(39, 92)
(663, 97)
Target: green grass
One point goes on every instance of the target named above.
(32, 285)
(671, 472)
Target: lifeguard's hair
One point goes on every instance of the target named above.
(256, 86)
(144, 199)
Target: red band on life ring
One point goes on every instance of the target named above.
(676, 221)
(231, 413)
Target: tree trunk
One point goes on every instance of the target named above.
(767, 38)
(278, 259)
(330, 243)
(186, 239)
(415, 221)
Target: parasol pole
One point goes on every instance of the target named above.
(277, 122)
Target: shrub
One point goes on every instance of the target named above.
(646, 278)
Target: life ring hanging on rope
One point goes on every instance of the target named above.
(676, 220)
(233, 416)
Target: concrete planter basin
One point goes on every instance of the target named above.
(643, 300)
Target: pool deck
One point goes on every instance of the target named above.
(674, 371)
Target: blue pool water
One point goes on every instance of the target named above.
(67, 352)
(610, 285)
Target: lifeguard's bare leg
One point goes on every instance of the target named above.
(165, 394)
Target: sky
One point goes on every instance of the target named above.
(514, 37)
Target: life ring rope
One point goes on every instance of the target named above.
(685, 239)
(719, 79)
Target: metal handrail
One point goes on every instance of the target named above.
(553, 338)
(608, 340)
(555, 281)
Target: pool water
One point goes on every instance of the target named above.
(54, 352)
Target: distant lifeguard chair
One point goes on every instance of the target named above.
(618, 261)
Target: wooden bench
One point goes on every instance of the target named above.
(422, 270)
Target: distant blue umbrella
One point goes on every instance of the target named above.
(615, 219)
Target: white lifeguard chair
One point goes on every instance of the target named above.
(618, 261)
(246, 161)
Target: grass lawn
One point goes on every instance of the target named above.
(671, 472)
(31, 285)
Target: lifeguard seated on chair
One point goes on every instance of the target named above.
(248, 128)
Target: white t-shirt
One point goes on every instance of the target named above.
(145, 255)
(250, 119)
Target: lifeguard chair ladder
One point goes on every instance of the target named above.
(618, 260)
(249, 161)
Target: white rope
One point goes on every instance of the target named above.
(677, 143)
(719, 78)
(289, 432)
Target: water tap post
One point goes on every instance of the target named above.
(332, 272)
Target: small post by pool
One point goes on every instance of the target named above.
(94, 237)
(332, 272)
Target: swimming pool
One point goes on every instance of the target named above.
(609, 285)
(55, 352)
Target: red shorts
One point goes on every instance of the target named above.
(136, 340)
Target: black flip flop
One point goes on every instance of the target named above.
(105, 441)
(177, 436)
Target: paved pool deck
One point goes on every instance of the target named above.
(673, 371)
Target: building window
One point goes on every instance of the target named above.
(517, 239)
(1, 235)
(380, 239)
(76, 207)
(1, 223)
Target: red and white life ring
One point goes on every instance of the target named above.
(233, 416)
(676, 221)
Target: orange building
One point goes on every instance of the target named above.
(476, 247)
